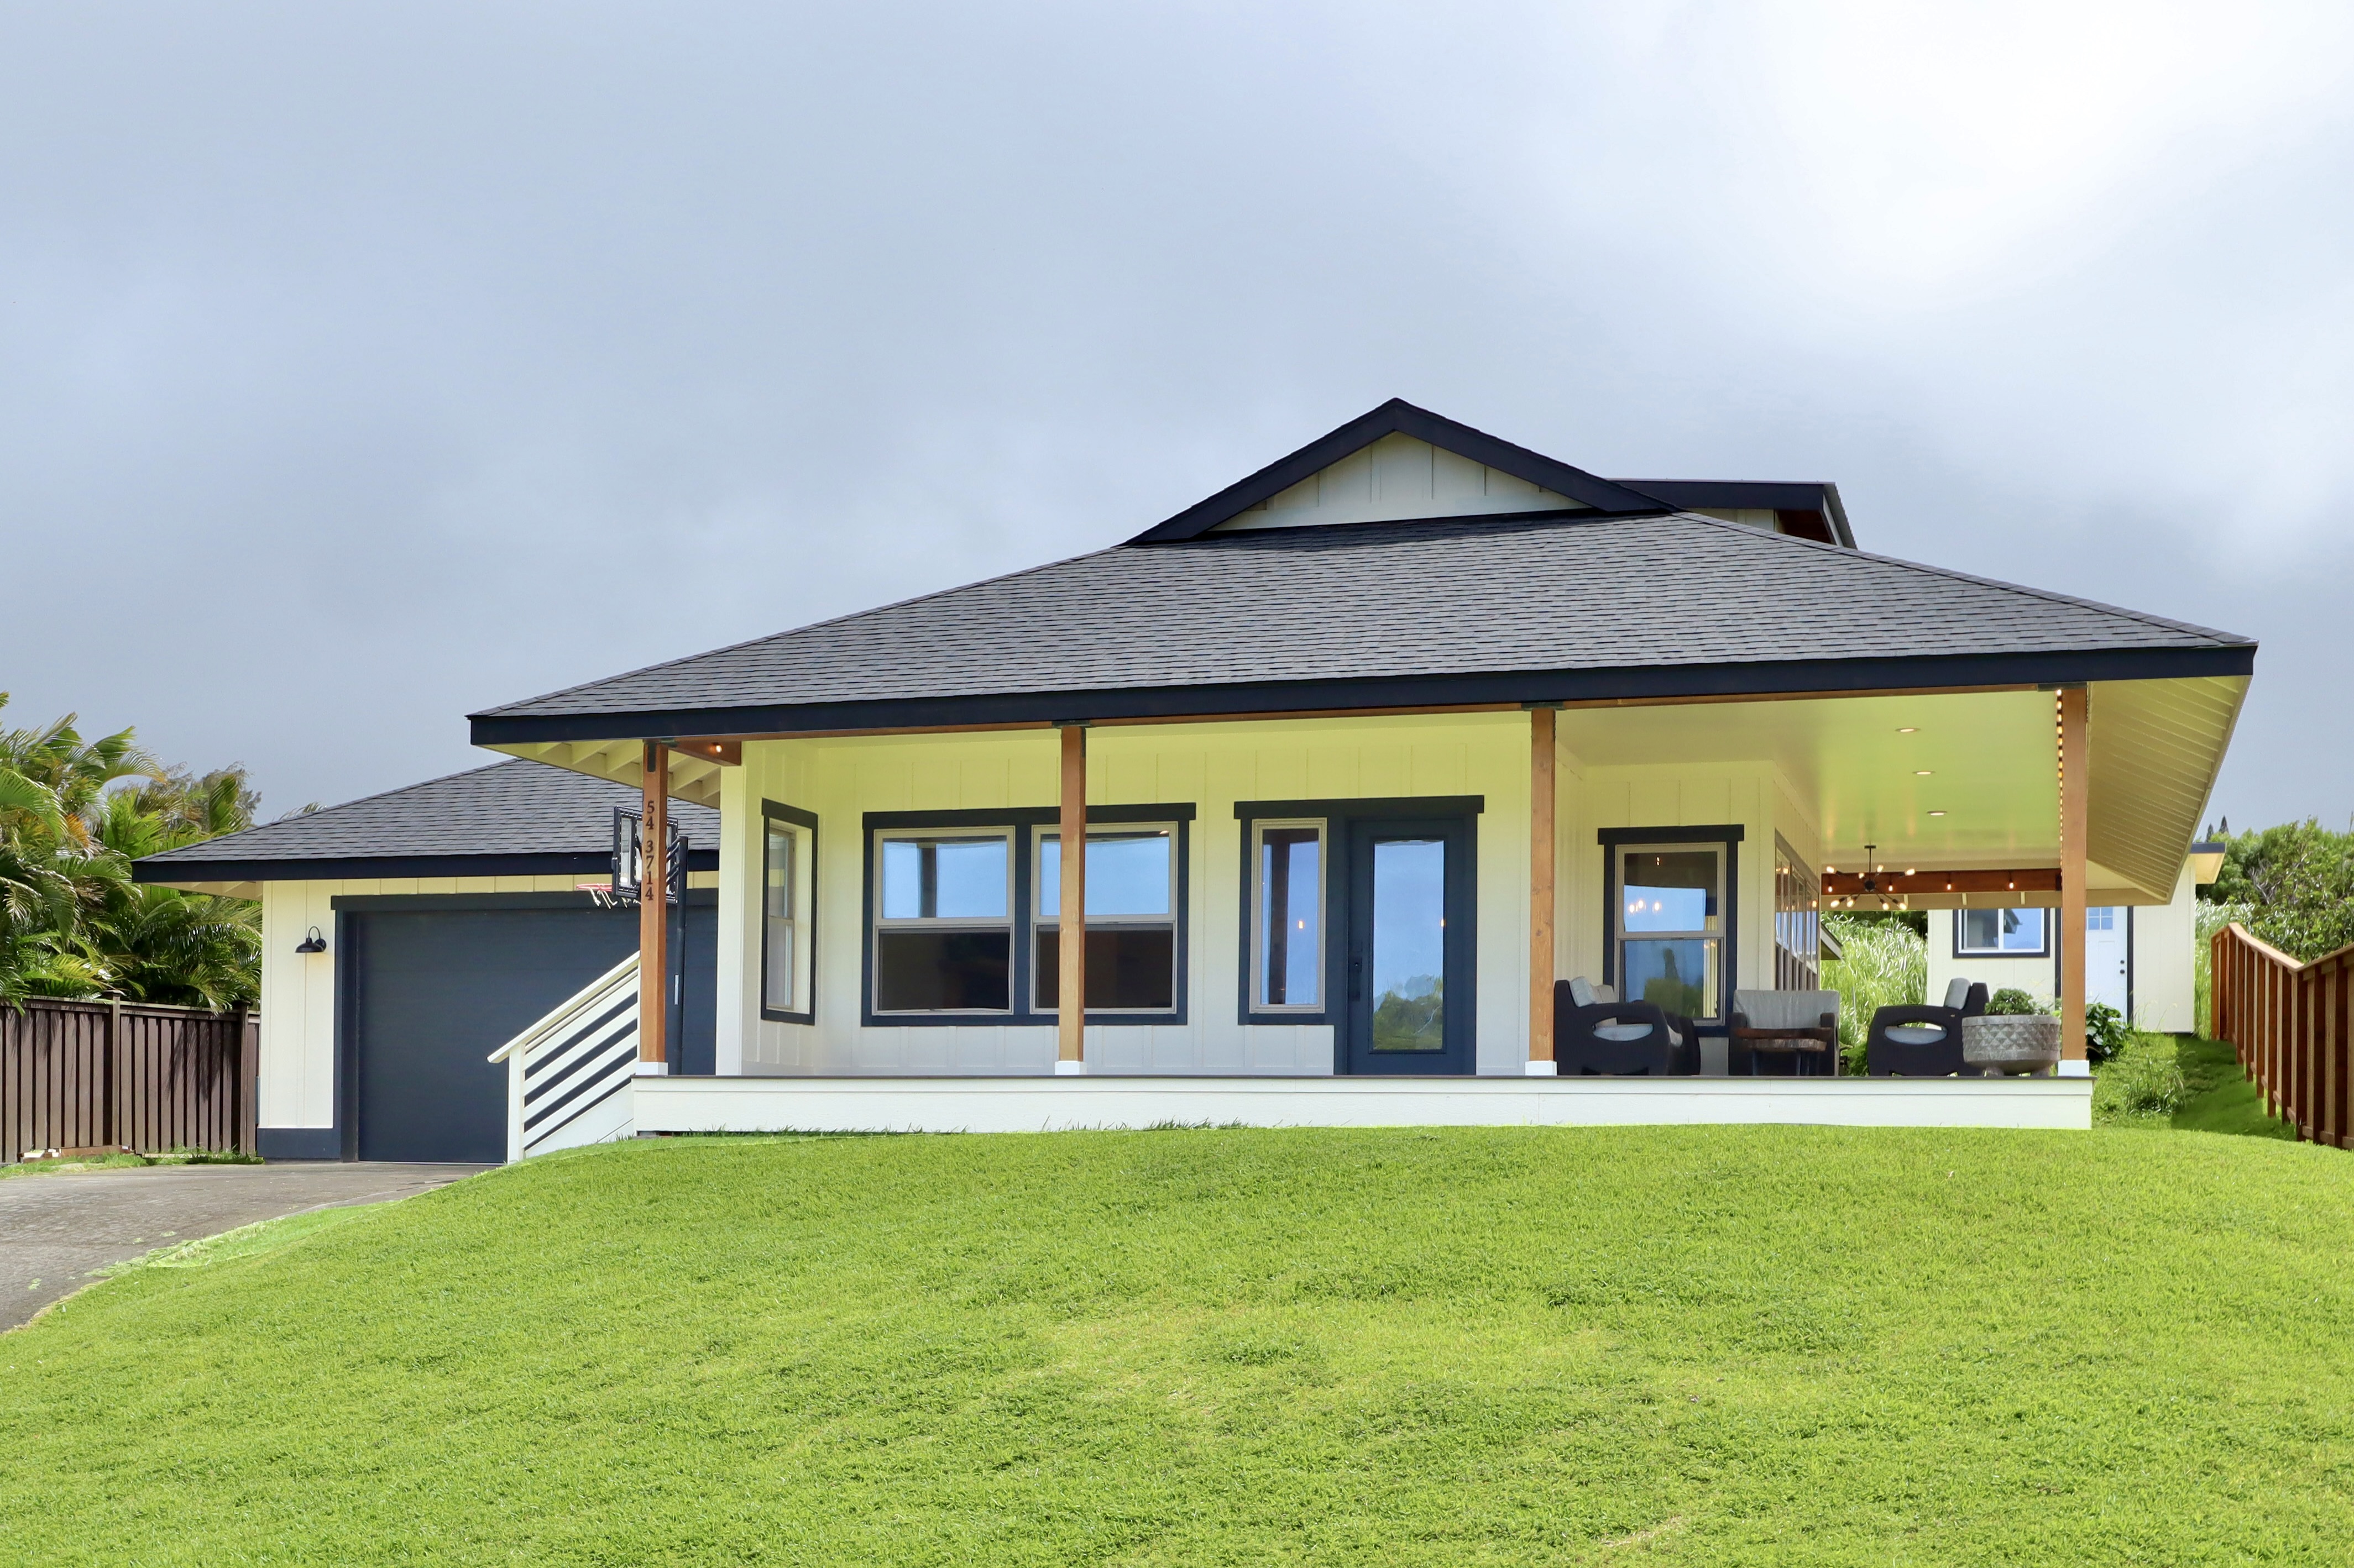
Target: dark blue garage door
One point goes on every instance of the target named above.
(431, 992)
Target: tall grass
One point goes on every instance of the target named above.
(2210, 918)
(1882, 963)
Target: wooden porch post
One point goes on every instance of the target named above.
(1071, 900)
(1541, 890)
(2075, 819)
(653, 911)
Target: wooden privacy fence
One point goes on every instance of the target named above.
(2289, 1022)
(82, 1075)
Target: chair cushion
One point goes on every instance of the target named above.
(1580, 993)
(1957, 991)
(1914, 1034)
(1605, 993)
(1622, 1032)
(1785, 1009)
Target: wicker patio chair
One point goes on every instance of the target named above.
(1922, 1041)
(1596, 1035)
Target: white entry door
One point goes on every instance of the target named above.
(2107, 934)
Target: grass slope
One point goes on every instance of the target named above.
(1766, 1345)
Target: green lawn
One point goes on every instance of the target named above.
(1771, 1345)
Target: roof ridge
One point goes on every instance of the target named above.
(794, 631)
(2050, 596)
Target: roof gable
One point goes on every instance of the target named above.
(1398, 478)
(1362, 475)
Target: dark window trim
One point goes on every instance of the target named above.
(1368, 806)
(1729, 834)
(777, 812)
(1026, 816)
(1336, 814)
(2047, 949)
(1024, 820)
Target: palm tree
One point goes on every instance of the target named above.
(72, 923)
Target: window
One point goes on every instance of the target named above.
(1797, 923)
(788, 894)
(1287, 962)
(2102, 920)
(1131, 893)
(1666, 921)
(2000, 933)
(944, 921)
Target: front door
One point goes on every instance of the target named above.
(2107, 933)
(1410, 946)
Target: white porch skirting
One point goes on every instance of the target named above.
(1046, 1105)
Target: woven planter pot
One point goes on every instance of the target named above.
(2022, 1043)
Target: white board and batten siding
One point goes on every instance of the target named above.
(1210, 767)
(1395, 478)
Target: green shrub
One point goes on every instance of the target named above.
(1882, 963)
(2144, 1078)
(2012, 1002)
(2104, 1032)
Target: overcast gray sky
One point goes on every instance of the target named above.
(363, 366)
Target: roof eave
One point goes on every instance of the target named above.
(181, 874)
(1649, 683)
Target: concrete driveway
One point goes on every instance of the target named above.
(55, 1229)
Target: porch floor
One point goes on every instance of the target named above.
(1042, 1105)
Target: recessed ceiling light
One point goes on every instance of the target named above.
(1920, 773)
(1936, 813)
(1909, 729)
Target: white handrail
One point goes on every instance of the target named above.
(589, 996)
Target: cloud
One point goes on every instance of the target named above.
(410, 360)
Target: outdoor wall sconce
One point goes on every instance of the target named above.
(313, 943)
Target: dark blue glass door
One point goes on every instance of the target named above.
(1410, 947)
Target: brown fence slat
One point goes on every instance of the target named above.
(2291, 1025)
(76, 1074)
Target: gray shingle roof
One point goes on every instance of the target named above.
(1383, 602)
(506, 812)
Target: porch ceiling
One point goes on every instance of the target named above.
(1873, 768)
(692, 777)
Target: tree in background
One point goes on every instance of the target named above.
(74, 813)
(2297, 882)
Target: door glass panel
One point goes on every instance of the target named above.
(1409, 945)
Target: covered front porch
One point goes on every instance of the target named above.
(1360, 919)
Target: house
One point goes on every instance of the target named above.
(407, 936)
(1368, 749)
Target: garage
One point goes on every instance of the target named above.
(431, 991)
(407, 936)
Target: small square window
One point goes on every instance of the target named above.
(1994, 933)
